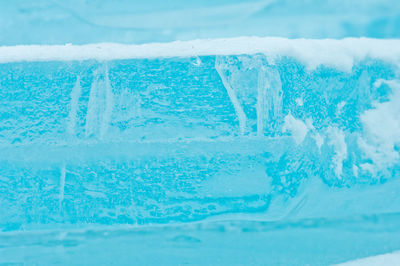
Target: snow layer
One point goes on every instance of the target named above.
(340, 54)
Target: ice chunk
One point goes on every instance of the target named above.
(260, 128)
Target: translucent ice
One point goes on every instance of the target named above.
(287, 129)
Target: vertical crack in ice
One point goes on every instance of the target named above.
(261, 101)
(269, 98)
(232, 96)
(71, 129)
(274, 95)
(62, 184)
(75, 94)
(109, 98)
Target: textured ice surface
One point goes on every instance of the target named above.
(279, 134)
(133, 21)
(181, 139)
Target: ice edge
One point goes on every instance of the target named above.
(340, 54)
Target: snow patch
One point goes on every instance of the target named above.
(297, 128)
(299, 102)
(381, 140)
(319, 140)
(339, 107)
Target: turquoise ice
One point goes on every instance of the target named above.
(171, 132)
(274, 137)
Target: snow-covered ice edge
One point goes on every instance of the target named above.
(388, 259)
(340, 54)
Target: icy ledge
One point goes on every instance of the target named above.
(178, 140)
(341, 54)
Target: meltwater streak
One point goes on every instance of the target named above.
(232, 96)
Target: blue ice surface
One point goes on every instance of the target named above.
(210, 160)
(199, 160)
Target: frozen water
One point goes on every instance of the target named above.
(282, 151)
(179, 139)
